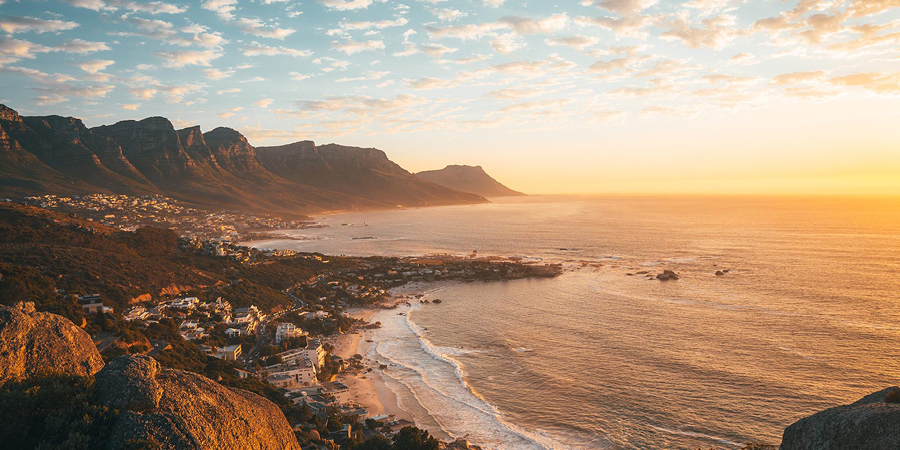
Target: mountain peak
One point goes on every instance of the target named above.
(7, 113)
(472, 179)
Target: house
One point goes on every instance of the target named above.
(234, 332)
(232, 352)
(243, 373)
(300, 371)
(92, 304)
(338, 390)
(286, 331)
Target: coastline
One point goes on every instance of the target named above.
(367, 387)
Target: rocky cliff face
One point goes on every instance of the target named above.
(870, 423)
(182, 410)
(33, 343)
(215, 170)
(362, 172)
(152, 145)
(232, 151)
(193, 142)
(472, 179)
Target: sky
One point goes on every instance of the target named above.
(566, 96)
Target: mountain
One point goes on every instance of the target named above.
(472, 179)
(362, 172)
(218, 169)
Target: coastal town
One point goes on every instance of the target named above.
(307, 353)
(129, 213)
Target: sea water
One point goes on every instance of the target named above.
(806, 318)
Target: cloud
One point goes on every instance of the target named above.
(350, 46)
(346, 5)
(216, 74)
(257, 49)
(715, 32)
(631, 26)
(81, 46)
(257, 28)
(154, 7)
(14, 24)
(621, 6)
(181, 58)
(797, 77)
(224, 8)
(264, 103)
(95, 65)
(577, 42)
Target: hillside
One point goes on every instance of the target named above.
(363, 172)
(472, 179)
(218, 169)
(44, 251)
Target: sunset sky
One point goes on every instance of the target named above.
(571, 96)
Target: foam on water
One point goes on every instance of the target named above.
(437, 383)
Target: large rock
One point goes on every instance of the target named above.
(868, 424)
(181, 410)
(34, 343)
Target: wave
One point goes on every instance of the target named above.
(491, 431)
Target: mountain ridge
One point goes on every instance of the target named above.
(218, 169)
(472, 179)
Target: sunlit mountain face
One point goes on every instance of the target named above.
(709, 96)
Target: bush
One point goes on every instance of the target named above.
(53, 412)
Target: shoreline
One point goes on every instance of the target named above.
(368, 386)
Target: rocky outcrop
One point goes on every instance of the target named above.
(472, 179)
(232, 150)
(34, 343)
(152, 145)
(870, 423)
(182, 410)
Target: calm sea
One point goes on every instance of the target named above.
(808, 317)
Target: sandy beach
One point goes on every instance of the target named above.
(368, 388)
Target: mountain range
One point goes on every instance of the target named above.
(218, 169)
(471, 179)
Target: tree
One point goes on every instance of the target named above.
(412, 438)
(377, 442)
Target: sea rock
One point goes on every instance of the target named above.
(174, 409)
(33, 343)
(870, 423)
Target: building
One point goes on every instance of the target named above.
(92, 304)
(315, 353)
(232, 352)
(286, 331)
(296, 373)
(338, 390)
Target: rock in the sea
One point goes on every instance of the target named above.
(174, 409)
(34, 343)
(869, 424)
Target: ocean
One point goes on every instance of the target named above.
(806, 318)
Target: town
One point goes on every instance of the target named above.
(288, 352)
(129, 213)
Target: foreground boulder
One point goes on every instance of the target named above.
(173, 409)
(35, 343)
(869, 424)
